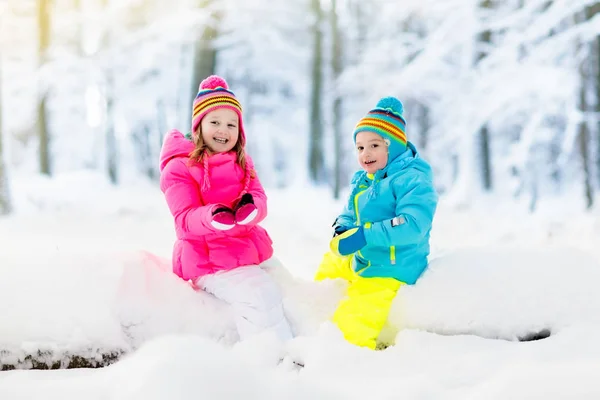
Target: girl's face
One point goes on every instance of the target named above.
(220, 130)
(372, 151)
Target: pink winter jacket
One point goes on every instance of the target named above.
(201, 249)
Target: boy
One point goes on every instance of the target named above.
(381, 239)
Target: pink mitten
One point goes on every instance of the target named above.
(223, 218)
(245, 210)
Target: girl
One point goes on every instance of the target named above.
(217, 202)
(381, 240)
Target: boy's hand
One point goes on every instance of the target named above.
(339, 229)
(348, 242)
(223, 218)
(245, 210)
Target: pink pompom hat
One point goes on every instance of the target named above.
(213, 94)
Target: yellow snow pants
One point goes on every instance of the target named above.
(363, 312)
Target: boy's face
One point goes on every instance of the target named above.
(372, 151)
(220, 130)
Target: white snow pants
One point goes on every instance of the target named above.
(254, 297)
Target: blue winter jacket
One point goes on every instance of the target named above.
(403, 189)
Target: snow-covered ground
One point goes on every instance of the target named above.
(84, 271)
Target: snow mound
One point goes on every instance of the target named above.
(503, 292)
(56, 306)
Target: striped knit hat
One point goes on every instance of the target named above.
(213, 94)
(386, 120)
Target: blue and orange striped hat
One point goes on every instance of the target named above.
(387, 120)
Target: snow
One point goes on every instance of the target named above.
(88, 273)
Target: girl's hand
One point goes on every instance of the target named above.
(223, 218)
(245, 210)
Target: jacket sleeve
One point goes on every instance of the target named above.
(415, 209)
(260, 199)
(257, 191)
(348, 217)
(184, 201)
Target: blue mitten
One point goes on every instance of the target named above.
(348, 242)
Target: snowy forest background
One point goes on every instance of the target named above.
(500, 96)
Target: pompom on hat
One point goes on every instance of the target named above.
(386, 120)
(213, 94)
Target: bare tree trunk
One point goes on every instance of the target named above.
(205, 54)
(583, 131)
(5, 202)
(486, 157)
(316, 161)
(111, 143)
(148, 150)
(336, 67)
(161, 121)
(78, 36)
(419, 133)
(591, 12)
(43, 11)
(484, 133)
(112, 151)
(596, 53)
(583, 138)
(182, 104)
(110, 87)
(361, 19)
(155, 141)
